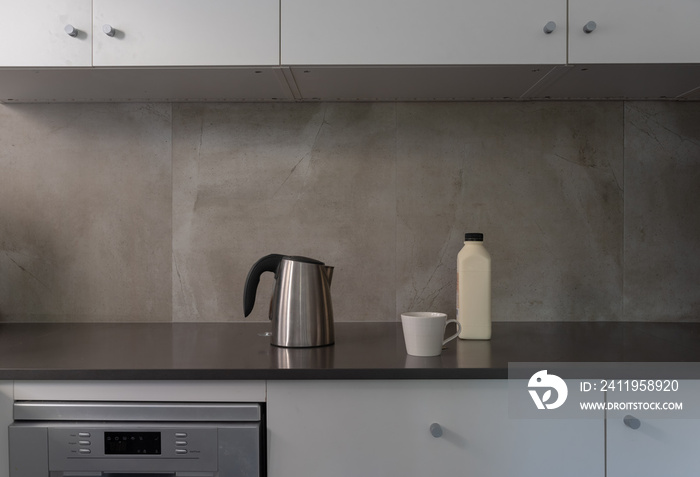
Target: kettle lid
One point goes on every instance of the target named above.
(297, 258)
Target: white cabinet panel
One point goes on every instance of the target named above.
(21, 85)
(658, 446)
(406, 83)
(415, 32)
(6, 400)
(619, 81)
(186, 32)
(634, 31)
(192, 391)
(382, 428)
(33, 33)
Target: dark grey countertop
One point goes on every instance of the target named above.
(233, 351)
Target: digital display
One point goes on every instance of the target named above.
(132, 443)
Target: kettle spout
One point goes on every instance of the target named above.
(329, 273)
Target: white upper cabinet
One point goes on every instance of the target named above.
(397, 50)
(186, 32)
(419, 32)
(46, 33)
(634, 31)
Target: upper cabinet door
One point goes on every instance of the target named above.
(186, 32)
(634, 31)
(46, 33)
(419, 32)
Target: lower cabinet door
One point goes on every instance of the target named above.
(419, 428)
(655, 443)
(6, 401)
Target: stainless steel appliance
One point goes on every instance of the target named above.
(301, 310)
(89, 439)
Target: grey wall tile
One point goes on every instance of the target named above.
(85, 212)
(542, 181)
(383, 191)
(296, 179)
(662, 211)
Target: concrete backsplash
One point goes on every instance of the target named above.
(156, 212)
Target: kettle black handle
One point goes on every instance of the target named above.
(268, 263)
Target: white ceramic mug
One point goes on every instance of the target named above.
(424, 331)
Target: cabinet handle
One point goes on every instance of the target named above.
(589, 27)
(71, 30)
(436, 429)
(549, 27)
(631, 422)
(108, 30)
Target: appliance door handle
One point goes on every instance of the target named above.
(154, 474)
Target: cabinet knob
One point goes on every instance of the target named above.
(589, 27)
(436, 429)
(108, 30)
(71, 30)
(631, 422)
(549, 27)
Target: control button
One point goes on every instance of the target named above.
(180, 443)
(83, 434)
(84, 443)
(84, 451)
(180, 435)
(181, 451)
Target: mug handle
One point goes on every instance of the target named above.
(459, 330)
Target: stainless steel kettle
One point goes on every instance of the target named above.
(301, 310)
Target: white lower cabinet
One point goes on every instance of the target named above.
(383, 428)
(642, 445)
(6, 400)
(658, 447)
